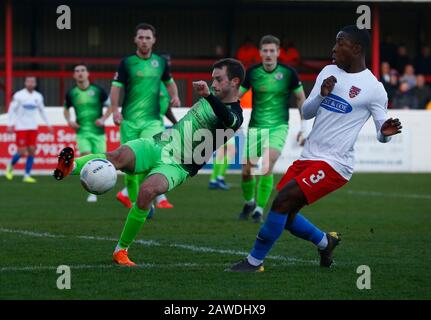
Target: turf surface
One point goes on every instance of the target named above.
(384, 219)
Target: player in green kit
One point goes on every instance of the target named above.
(272, 84)
(172, 156)
(165, 110)
(88, 101)
(140, 76)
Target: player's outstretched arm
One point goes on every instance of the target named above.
(115, 101)
(219, 108)
(391, 127)
(311, 105)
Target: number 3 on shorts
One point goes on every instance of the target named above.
(316, 178)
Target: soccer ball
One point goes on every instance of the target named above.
(98, 176)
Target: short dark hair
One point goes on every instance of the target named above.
(359, 36)
(234, 68)
(80, 64)
(145, 26)
(269, 39)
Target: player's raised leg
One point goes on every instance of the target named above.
(122, 158)
(153, 186)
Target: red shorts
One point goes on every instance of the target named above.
(26, 138)
(315, 178)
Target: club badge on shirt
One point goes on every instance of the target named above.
(354, 91)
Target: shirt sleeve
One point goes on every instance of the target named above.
(228, 116)
(67, 100)
(312, 103)
(104, 98)
(167, 76)
(295, 83)
(13, 108)
(120, 78)
(378, 108)
(246, 84)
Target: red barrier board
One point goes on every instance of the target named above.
(48, 145)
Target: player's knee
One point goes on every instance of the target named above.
(246, 172)
(281, 204)
(286, 202)
(147, 193)
(120, 158)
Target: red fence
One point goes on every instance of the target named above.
(63, 72)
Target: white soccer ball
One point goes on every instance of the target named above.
(98, 176)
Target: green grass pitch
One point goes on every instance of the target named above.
(384, 219)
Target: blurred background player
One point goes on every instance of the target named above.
(88, 100)
(272, 84)
(140, 75)
(22, 119)
(165, 110)
(221, 162)
(326, 163)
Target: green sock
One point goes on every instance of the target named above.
(132, 185)
(248, 189)
(264, 189)
(135, 220)
(81, 161)
(216, 170)
(223, 167)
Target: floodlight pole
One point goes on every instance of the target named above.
(8, 53)
(375, 53)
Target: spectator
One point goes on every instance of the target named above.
(289, 54)
(388, 50)
(423, 61)
(404, 98)
(219, 52)
(422, 92)
(385, 72)
(248, 53)
(409, 76)
(402, 58)
(392, 86)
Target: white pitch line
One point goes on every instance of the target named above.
(153, 243)
(387, 194)
(111, 266)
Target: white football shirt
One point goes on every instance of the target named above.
(23, 110)
(340, 116)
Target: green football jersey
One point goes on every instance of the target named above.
(271, 94)
(88, 105)
(193, 139)
(141, 79)
(164, 100)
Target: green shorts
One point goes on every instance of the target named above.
(91, 142)
(130, 131)
(259, 139)
(149, 161)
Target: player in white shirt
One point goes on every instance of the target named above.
(343, 98)
(22, 119)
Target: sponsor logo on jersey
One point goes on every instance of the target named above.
(336, 104)
(154, 63)
(29, 106)
(278, 76)
(91, 93)
(354, 91)
(139, 73)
